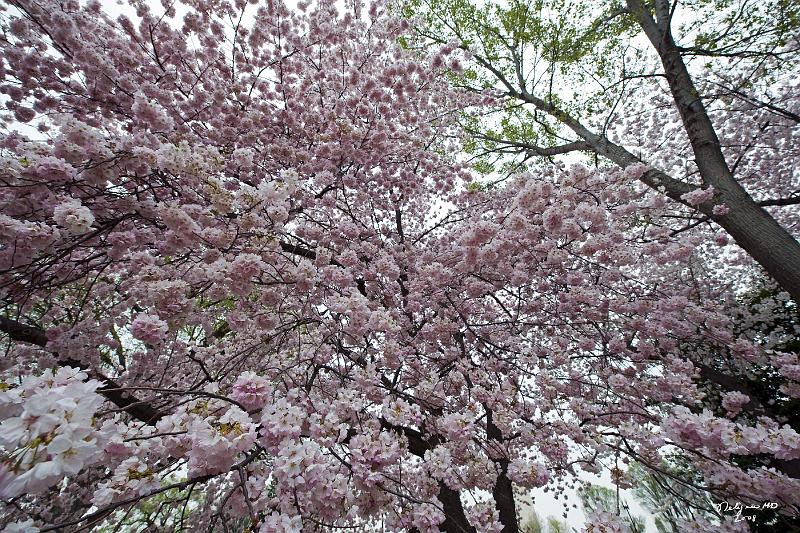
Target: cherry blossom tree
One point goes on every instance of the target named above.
(249, 283)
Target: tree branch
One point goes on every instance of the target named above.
(138, 409)
(22, 333)
(792, 200)
(600, 144)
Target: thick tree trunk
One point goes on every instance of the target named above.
(456, 520)
(503, 490)
(755, 230)
(765, 240)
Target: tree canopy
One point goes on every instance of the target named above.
(251, 279)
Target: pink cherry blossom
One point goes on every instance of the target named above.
(698, 196)
(74, 217)
(251, 390)
(149, 328)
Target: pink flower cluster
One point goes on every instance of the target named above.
(698, 196)
(605, 522)
(734, 401)
(132, 477)
(279, 421)
(149, 328)
(252, 391)
(211, 434)
(73, 217)
(527, 473)
(724, 437)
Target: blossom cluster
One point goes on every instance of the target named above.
(48, 430)
(211, 434)
(724, 437)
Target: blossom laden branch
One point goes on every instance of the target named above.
(138, 409)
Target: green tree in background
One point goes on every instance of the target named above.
(598, 498)
(666, 500)
(552, 524)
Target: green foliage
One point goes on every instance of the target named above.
(554, 525)
(166, 511)
(545, 47)
(483, 167)
(532, 525)
(597, 498)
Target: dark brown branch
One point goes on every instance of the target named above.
(416, 442)
(312, 255)
(455, 519)
(556, 150)
(532, 149)
(298, 250)
(792, 200)
(503, 491)
(22, 333)
(112, 391)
